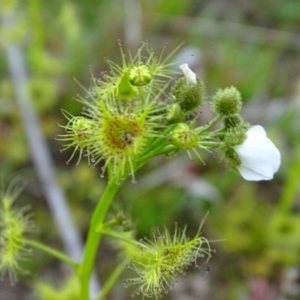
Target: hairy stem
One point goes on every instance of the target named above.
(209, 125)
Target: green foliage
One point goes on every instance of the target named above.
(266, 237)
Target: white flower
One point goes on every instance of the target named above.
(259, 156)
(189, 74)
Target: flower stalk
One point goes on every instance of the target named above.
(53, 252)
(94, 238)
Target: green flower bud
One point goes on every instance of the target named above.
(189, 96)
(227, 102)
(183, 137)
(175, 114)
(235, 136)
(163, 259)
(121, 220)
(139, 75)
(126, 91)
(231, 158)
(81, 129)
(127, 226)
(232, 121)
(81, 124)
(78, 134)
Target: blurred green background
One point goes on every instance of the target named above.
(253, 45)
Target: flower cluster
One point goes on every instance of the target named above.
(123, 114)
(131, 115)
(164, 259)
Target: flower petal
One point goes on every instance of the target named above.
(191, 77)
(251, 175)
(260, 158)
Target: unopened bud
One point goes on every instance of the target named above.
(230, 157)
(183, 137)
(189, 96)
(139, 75)
(175, 114)
(235, 136)
(81, 127)
(227, 102)
(80, 124)
(232, 121)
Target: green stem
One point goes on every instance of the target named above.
(218, 133)
(112, 279)
(209, 125)
(171, 148)
(156, 144)
(94, 238)
(59, 255)
(168, 150)
(154, 148)
(110, 223)
(210, 144)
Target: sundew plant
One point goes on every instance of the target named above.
(135, 111)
